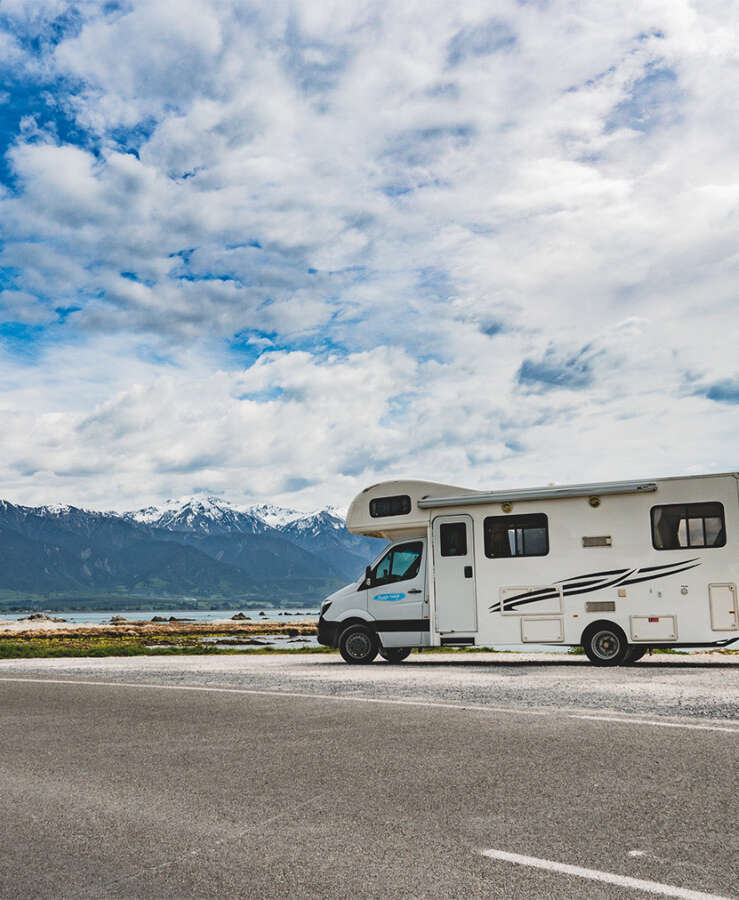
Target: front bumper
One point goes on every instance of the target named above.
(327, 632)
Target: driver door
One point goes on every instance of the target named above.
(396, 595)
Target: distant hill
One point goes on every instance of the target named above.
(196, 552)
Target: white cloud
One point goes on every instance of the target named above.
(484, 250)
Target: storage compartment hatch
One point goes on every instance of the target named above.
(653, 628)
(722, 598)
(542, 631)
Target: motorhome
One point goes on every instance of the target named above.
(617, 567)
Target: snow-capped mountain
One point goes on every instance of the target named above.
(203, 515)
(275, 516)
(202, 547)
(280, 518)
(324, 533)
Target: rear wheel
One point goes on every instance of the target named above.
(395, 654)
(358, 644)
(605, 644)
(633, 654)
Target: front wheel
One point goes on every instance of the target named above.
(395, 654)
(358, 644)
(605, 644)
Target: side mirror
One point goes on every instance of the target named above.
(368, 575)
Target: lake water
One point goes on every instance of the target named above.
(293, 614)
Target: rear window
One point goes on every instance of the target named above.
(507, 536)
(680, 526)
(390, 506)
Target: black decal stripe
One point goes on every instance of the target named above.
(511, 604)
(401, 624)
(682, 562)
(527, 598)
(612, 583)
(593, 575)
(661, 574)
(527, 594)
(525, 602)
(572, 586)
(604, 584)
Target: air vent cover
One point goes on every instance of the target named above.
(603, 540)
(600, 606)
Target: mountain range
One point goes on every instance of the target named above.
(190, 553)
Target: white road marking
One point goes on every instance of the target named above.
(651, 887)
(259, 693)
(380, 700)
(656, 722)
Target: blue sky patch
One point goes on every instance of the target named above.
(36, 107)
(480, 40)
(552, 372)
(725, 391)
(651, 101)
(315, 65)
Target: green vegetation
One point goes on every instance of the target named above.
(49, 645)
(41, 646)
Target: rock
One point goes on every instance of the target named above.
(292, 632)
(263, 613)
(57, 619)
(118, 620)
(238, 617)
(158, 619)
(175, 619)
(36, 617)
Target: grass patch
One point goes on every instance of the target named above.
(45, 646)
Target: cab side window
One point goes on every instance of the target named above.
(399, 564)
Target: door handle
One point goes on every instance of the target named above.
(414, 591)
(468, 571)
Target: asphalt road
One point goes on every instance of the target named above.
(160, 789)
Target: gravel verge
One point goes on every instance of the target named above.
(701, 686)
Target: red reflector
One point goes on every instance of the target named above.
(654, 618)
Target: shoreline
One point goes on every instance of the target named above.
(46, 628)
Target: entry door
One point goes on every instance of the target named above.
(454, 574)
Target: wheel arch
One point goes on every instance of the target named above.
(355, 615)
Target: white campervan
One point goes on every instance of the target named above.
(617, 567)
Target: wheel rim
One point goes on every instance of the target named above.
(606, 645)
(358, 645)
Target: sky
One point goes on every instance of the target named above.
(282, 251)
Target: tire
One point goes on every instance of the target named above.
(605, 644)
(633, 654)
(395, 654)
(358, 645)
